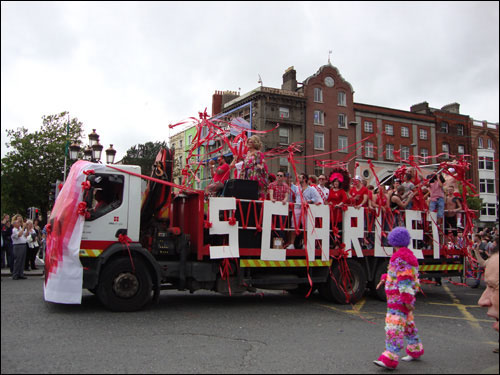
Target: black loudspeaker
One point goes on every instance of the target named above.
(242, 189)
(249, 238)
(245, 189)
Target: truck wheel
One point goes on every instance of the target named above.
(120, 289)
(379, 293)
(333, 288)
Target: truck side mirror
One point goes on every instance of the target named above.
(121, 231)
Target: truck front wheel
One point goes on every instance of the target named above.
(344, 289)
(122, 289)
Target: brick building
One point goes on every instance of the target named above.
(388, 136)
(264, 107)
(329, 118)
(453, 131)
(320, 113)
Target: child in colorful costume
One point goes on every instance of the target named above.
(401, 285)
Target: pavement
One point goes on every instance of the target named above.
(38, 272)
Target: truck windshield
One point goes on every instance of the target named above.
(107, 190)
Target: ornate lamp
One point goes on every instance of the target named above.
(74, 150)
(110, 155)
(93, 138)
(87, 154)
(96, 151)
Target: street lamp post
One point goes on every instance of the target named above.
(93, 151)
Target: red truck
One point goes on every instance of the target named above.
(137, 244)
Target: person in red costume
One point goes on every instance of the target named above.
(359, 194)
(220, 175)
(337, 198)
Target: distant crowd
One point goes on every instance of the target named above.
(436, 192)
(22, 242)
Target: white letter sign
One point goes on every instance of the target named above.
(270, 209)
(322, 233)
(353, 234)
(223, 227)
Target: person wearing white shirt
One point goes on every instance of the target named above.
(310, 195)
(322, 189)
(19, 246)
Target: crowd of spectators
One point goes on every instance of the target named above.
(22, 242)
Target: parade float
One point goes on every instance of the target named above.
(172, 236)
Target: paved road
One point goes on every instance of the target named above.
(272, 332)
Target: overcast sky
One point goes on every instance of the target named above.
(130, 69)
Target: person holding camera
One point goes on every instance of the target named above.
(19, 239)
(33, 246)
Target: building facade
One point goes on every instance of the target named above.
(320, 115)
(269, 107)
(485, 156)
(177, 143)
(329, 120)
(387, 137)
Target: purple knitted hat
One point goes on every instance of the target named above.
(399, 237)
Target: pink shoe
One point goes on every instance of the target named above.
(382, 364)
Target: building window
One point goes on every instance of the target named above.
(486, 163)
(341, 98)
(490, 144)
(445, 148)
(460, 129)
(480, 143)
(444, 127)
(423, 134)
(389, 129)
(424, 152)
(405, 152)
(461, 149)
(389, 152)
(180, 145)
(319, 141)
(369, 149)
(319, 118)
(284, 135)
(318, 170)
(486, 186)
(489, 209)
(368, 127)
(318, 95)
(342, 144)
(342, 121)
(405, 132)
(284, 112)
(283, 164)
(190, 139)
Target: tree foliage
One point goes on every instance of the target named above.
(36, 160)
(143, 155)
(474, 202)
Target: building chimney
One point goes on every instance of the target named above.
(289, 80)
(216, 103)
(227, 96)
(420, 108)
(452, 108)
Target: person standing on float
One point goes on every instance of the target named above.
(401, 285)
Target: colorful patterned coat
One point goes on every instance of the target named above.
(401, 281)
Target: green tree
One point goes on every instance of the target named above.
(473, 200)
(36, 160)
(143, 155)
